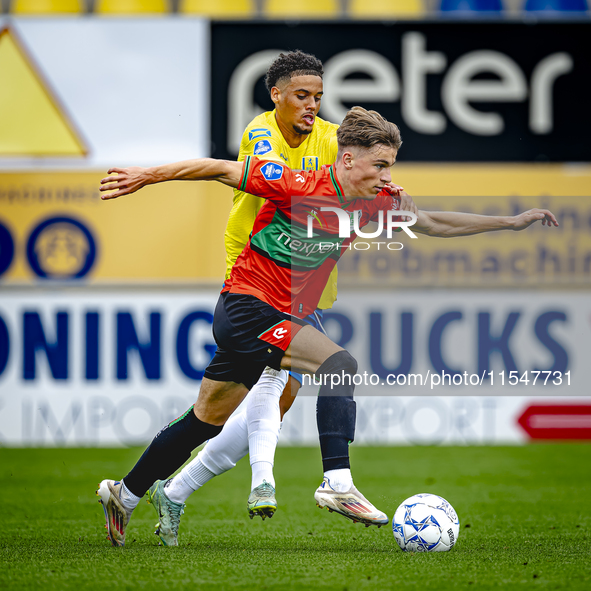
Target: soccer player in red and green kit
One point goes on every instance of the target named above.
(257, 322)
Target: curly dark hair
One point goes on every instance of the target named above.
(292, 63)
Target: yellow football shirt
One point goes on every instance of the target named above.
(262, 138)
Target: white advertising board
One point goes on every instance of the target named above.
(107, 367)
(95, 93)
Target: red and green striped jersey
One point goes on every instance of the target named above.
(280, 264)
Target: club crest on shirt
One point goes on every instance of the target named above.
(259, 132)
(262, 147)
(310, 163)
(272, 171)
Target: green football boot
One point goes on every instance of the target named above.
(261, 501)
(169, 514)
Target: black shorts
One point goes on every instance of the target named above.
(250, 336)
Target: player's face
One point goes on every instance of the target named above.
(297, 103)
(369, 170)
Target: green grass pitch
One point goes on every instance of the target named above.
(524, 511)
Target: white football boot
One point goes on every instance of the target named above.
(116, 515)
(351, 504)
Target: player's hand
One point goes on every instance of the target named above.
(405, 199)
(124, 181)
(527, 218)
(394, 189)
(407, 204)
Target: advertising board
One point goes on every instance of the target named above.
(480, 91)
(435, 366)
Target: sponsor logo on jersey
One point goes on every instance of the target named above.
(310, 163)
(262, 147)
(272, 172)
(299, 178)
(259, 132)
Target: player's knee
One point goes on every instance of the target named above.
(341, 361)
(273, 381)
(280, 374)
(289, 395)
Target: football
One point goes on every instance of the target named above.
(426, 523)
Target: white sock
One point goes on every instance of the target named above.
(223, 452)
(340, 480)
(262, 471)
(128, 499)
(264, 422)
(219, 455)
(191, 478)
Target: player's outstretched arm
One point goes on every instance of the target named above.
(450, 224)
(124, 181)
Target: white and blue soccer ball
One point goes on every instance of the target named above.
(426, 523)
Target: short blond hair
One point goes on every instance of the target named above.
(366, 129)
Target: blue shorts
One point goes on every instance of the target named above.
(315, 320)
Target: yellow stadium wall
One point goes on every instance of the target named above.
(173, 232)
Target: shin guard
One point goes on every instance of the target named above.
(335, 410)
(169, 450)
